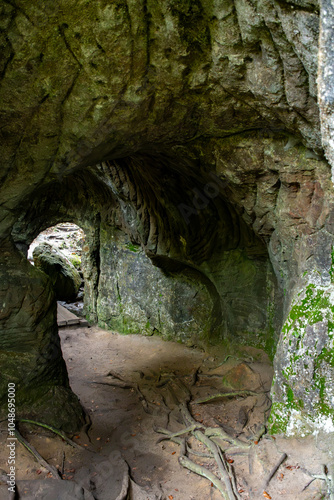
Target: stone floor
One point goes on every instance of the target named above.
(129, 386)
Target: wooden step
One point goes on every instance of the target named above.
(67, 318)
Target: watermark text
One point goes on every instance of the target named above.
(11, 439)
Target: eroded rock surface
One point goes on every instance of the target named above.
(193, 128)
(64, 277)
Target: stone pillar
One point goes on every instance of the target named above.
(326, 78)
(303, 385)
(30, 354)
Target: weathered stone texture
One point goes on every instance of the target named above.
(193, 128)
(136, 297)
(30, 354)
(64, 277)
(326, 78)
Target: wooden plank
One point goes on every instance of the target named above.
(67, 318)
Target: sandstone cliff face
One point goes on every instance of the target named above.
(192, 128)
(325, 79)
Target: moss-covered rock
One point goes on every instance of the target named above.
(30, 353)
(115, 115)
(303, 388)
(136, 297)
(64, 277)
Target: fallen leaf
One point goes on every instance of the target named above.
(133, 435)
(170, 497)
(256, 442)
(241, 491)
(38, 471)
(280, 477)
(211, 485)
(266, 495)
(292, 467)
(173, 452)
(98, 439)
(230, 461)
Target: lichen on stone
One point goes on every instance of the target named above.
(303, 389)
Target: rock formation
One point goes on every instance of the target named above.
(189, 130)
(64, 277)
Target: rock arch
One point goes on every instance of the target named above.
(121, 115)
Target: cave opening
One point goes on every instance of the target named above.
(174, 250)
(192, 143)
(169, 256)
(57, 251)
(212, 279)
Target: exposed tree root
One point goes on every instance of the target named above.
(116, 383)
(220, 433)
(327, 477)
(225, 395)
(202, 471)
(38, 457)
(226, 484)
(52, 429)
(111, 373)
(176, 434)
(143, 401)
(217, 454)
(258, 435)
(123, 384)
(273, 471)
(175, 393)
(249, 359)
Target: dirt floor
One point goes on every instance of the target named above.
(133, 387)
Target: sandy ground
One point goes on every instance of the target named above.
(132, 385)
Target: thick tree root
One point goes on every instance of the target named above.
(221, 462)
(226, 484)
(202, 471)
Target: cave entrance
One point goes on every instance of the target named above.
(57, 251)
(204, 280)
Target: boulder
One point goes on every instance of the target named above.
(65, 278)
